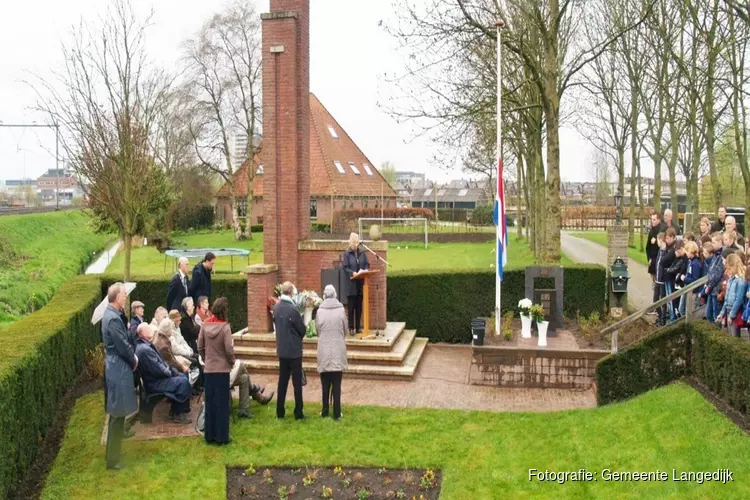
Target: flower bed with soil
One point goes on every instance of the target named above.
(332, 482)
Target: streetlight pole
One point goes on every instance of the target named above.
(55, 126)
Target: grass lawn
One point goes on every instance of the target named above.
(38, 253)
(437, 256)
(482, 455)
(600, 237)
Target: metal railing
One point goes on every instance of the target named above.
(690, 311)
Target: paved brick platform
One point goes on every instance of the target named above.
(440, 382)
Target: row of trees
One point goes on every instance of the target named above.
(147, 140)
(663, 79)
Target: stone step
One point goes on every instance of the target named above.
(405, 371)
(384, 343)
(355, 354)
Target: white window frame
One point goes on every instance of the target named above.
(354, 168)
(428, 192)
(339, 167)
(333, 132)
(368, 169)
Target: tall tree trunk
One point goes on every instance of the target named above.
(248, 234)
(127, 243)
(519, 171)
(552, 214)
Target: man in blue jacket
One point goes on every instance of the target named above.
(200, 286)
(121, 361)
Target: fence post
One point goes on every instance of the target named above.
(614, 341)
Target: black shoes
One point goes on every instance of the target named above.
(182, 418)
(244, 414)
(301, 417)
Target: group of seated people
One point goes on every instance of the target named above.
(169, 363)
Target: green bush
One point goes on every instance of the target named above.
(720, 361)
(40, 357)
(152, 291)
(193, 218)
(320, 227)
(483, 215)
(440, 305)
(653, 361)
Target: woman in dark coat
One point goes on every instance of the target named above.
(355, 261)
(216, 348)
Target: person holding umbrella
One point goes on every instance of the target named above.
(120, 364)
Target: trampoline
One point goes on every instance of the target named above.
(192, 253)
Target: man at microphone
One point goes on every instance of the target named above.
(355, 260)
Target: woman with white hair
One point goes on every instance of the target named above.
(355, 260)
(331, 323)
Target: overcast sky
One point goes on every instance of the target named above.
(349, 55)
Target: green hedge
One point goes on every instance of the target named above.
(440, 305)
(40, 357)
(152, 291)
(722, 363)
(201, 217)
(654, 361)
(718, 360)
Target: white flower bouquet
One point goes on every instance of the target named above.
(524, 307)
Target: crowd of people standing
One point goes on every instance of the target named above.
(718, 252)
(187, 349)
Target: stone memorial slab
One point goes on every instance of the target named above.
(550, 297)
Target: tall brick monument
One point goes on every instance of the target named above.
(289, 254)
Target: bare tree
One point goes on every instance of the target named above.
(106, 101)
(224, 69)
(388, 171)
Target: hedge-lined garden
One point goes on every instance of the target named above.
(718, 360)
(440, 305)
(40, 357)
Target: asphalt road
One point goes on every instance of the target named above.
(640, 293)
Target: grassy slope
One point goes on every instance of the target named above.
(601, 238)
(483, 455)
(437, 256)
(44, 250)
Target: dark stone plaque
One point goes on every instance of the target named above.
(549, 294)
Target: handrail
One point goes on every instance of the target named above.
(614, 329)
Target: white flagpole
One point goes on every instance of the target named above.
(498, 282)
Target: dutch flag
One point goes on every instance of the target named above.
(499, 218)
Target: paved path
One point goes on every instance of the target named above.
(440, 382)
(100, 264)
(640, 293)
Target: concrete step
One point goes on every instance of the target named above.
(384, 343)
(405, 371)
(355, 352)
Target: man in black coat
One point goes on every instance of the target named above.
(201, 284)
(652, 246)
(718, 225)
(670, 223)
(179, 286)
(290, 330)
(355, 261)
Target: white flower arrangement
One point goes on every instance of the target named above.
(524, 307)
(305, 299)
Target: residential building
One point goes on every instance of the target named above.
(17, 189)
(467, 198)
(409, 177)
(341, 176)
(58, 186)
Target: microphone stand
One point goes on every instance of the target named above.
(378, 257)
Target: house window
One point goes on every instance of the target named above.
(428, 192)
(333, 132)
(354, 168)
(339, 167)
(367, 169)
(441, 192)
(463, 192)
(242, 208)
(313, 209)
(260, 169)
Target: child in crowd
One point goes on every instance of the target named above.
(729, 240)
(707, 251)
(659, 279)
(689, 236)
(735, 297)
(716, 239)
(694, 271)
(673, 277)
(713, 286)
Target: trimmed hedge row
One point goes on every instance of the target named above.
(152, 291)
(718, 360)
(40, 357)
(440, 305)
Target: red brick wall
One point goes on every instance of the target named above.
(313, 261)
(286, 146)
(259, 288)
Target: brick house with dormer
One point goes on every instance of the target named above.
(341, 176)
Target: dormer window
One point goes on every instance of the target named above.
(367, 169)
(354, 168)
(333, 132)
(339, 167)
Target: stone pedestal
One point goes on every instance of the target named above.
(617, 237)
(261, 278)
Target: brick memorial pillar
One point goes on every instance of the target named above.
(617, 237)
(261, 278)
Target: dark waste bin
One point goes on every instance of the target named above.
(478, 327)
